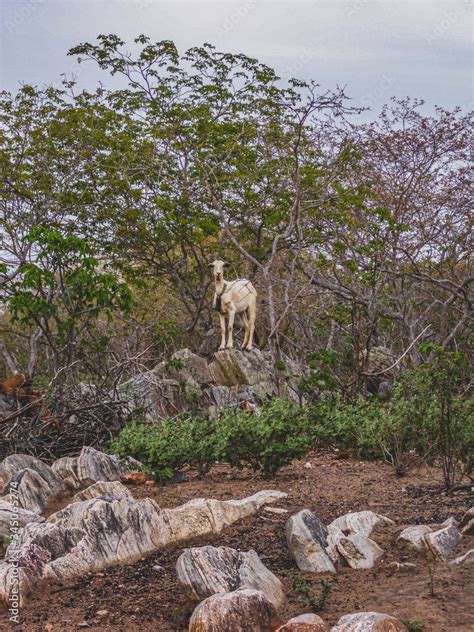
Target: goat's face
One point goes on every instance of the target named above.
(218, 269)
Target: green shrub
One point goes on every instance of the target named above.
(168, 446)
(425, 416)
(305, 592)
(265, 442)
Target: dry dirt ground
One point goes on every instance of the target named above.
(140, 597)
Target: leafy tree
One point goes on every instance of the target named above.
(63, 294)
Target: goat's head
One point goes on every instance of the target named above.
(218, 268)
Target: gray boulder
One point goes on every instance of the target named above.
(412, 537)
(307, 540)
(369, 622)
(238, 611)
(359, 551)
(442, 543)
(33, 491)
(91, 466)
(348, 536)
(361, 522)
(12, 465)
(232, 367)
(208, 570)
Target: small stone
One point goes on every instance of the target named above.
(402, 566)
(83, 624)
(308, 465)
(102, 613)
(276, 510)
(158, 568)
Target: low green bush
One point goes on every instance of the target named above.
(427, 415)
(166, 447)
(264, 442)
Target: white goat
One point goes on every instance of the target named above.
(231, 298)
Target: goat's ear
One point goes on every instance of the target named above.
(225, 264)
(210, 265)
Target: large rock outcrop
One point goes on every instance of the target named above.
(207, 570)
(90, 535)
(231, 377)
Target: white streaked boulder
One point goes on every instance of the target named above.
(237, 611)
(369, 622)
(307, 541)
(207, 570)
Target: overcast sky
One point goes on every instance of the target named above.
(377, 48)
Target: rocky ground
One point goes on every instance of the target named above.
(147, 596)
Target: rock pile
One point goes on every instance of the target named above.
(317, 548)
(439, 542)
(104, 525)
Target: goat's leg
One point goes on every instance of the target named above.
(230, 327)
(223, 331)
(252, 315)
(246, 326)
